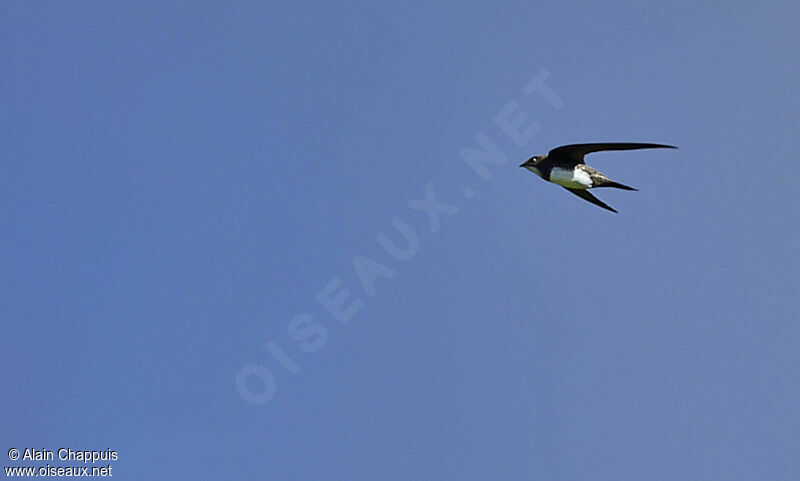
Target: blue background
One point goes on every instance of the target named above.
(179, 181)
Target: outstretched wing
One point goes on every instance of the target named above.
(575, 152)
(586, 195)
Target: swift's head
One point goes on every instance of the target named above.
(532, 163)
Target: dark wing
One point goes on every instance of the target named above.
(575, 152)
(586, 195)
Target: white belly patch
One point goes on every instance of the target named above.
(573, 178)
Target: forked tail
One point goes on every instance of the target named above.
(611, 183)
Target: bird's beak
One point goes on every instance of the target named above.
(523, 164)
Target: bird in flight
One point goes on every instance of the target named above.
(564, 166)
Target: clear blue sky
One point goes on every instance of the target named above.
(180, 182)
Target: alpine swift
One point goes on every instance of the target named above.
(564, 166)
